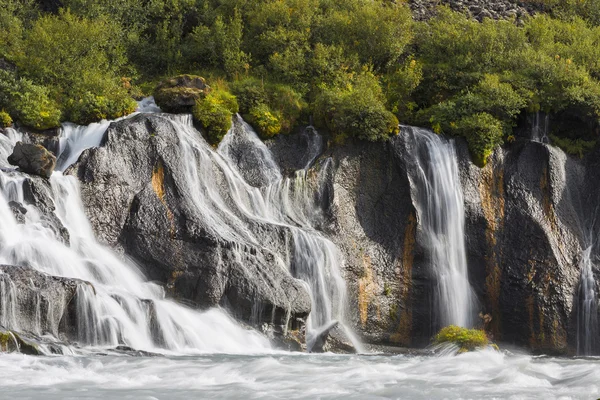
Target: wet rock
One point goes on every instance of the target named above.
(14, 342)
(35, 302)
(18, 211)
(149, 210)
(179, 94)
(332, 339)
(33, 159)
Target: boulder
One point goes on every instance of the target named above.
(33, 159)
(179, 94)
(332, 339)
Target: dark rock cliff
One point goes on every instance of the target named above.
(527, 213)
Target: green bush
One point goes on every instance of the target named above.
(483, 132)
(465, 339)
(265, 121)
(214, 113)
(88, 107)
(575, 147)
(5, 119)
(28, 103)
(270, 108)
(357, 110)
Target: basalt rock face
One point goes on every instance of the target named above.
(36, 302)
(525, 230)
(140, 198)
(525, 224)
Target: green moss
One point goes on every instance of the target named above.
(214, 113)
(5, 119)
(465, 339)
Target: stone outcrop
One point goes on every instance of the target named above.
(148, 209)
(179, 94)
(526, 225)
(33, 159)
(478, 9)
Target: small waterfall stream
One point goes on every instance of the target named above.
(587, 310)
(442, 218)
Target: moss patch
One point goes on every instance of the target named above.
(465, 339)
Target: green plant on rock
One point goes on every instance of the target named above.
(5, 119)
(483, 132)
(356, 110)
(465, 339)
(265, 121)
(574, 147)
(214, 113)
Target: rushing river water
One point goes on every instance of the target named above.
(482, 375)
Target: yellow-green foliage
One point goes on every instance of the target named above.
(265, 121)
(575, 147)
(28, 103)
(465, 339)
(214, 113)
(270, 108)
(5, 119)
(356, 110)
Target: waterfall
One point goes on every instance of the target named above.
(587, 312)
(121, 307)
(441, 217)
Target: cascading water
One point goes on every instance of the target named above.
(587, 312)
(121, 308)
(441, 215)
(285, 202)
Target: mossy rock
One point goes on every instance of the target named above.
(12, 342)
(465, 339)
(180, 93)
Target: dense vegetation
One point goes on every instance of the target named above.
(358, 67)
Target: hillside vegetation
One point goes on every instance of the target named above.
(358, 67)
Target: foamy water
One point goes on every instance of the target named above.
(481, 375)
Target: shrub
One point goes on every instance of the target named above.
(270, 108)
(358, 110)
(214, 113)
(5, 119)
(265, 121)
(28, 103)
(465, 339)
(575, 147)
(89, 107)
(483, 132)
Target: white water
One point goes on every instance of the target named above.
(117, 311)
(587, 312)
(442, 218)
(480, 375)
